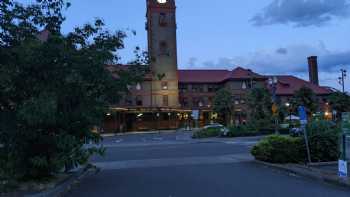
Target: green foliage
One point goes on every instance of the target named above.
(323, 137)
(207, 133)
(242, 131)
(339, 102)
(279, 149)
(324, 141)
(223, 104)
(260, 104)
(53, 91)
(307, 98)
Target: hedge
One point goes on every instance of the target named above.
(206, 133)
(323, 140)
(279, 149)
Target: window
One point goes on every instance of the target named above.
(163, 48)
(184, 102)
(162, 20)
(197, 88)
(244, 85)
(139, 101)
(195, 102)
(236, 102)
(183, 88)
(212, 88)
(210, 101)
(138, 86)
(164, 85)
(128, 101)
(165, 100)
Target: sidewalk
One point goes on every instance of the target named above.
(325, 172)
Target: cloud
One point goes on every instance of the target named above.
(282, 51)
(221, 63)
(302, 13)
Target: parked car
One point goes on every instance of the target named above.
(296, 131)
(223, 130)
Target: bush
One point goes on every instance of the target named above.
(279, 149)
(324, 141)
(241, 131)
(206, 133)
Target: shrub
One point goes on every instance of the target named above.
(279, 149)
(206, 133)
(241, 131)
(324, 141)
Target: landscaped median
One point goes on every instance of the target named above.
(234, 131)
(289, 153)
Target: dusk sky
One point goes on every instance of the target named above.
(268, 36)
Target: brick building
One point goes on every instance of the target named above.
(168, 96)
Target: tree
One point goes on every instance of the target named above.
(223, 105)
(307, 98)
(340, 102)
(260, 104)
(53, 91)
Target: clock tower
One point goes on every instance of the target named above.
(162, 48)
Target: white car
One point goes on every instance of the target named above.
(224, 131)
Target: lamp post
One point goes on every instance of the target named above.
(288, 105)
(273, 84)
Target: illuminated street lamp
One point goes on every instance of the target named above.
(288, 105)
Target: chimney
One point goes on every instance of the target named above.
(313, 69)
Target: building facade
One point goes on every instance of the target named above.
(167, 97)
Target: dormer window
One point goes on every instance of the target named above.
(244, 85)
(138, 87)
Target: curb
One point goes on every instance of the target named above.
(308, 172)
(137, 133)
(62, 188)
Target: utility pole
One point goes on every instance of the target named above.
(273, 81)
(342, 79)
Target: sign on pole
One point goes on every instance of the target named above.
(302, 115)
(343, 169)
(303, 122)
(195, 114)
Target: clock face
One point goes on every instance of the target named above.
(162, 1)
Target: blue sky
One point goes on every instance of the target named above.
(268, 36)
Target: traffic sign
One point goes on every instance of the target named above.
(343, 169)
(195, 114)
(302, 115)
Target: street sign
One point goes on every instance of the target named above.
(302, 115)
(343, 169)
(195, 114)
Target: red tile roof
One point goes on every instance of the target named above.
(216, 76)
(287, 85)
